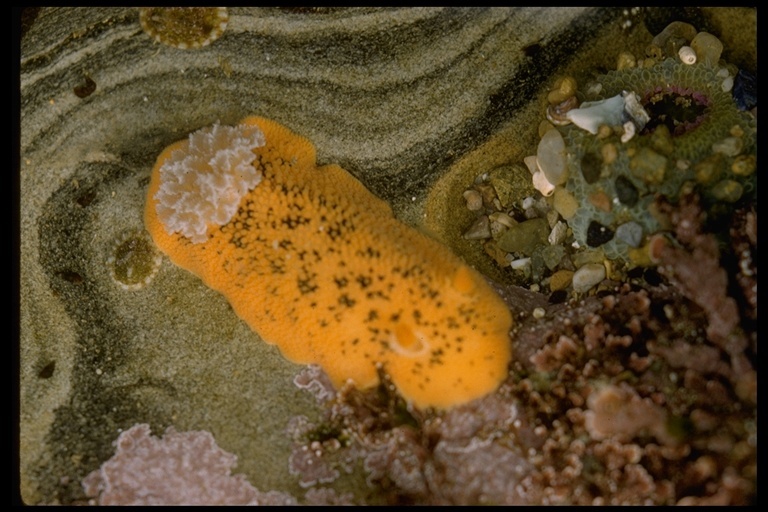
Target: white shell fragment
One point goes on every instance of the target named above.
(592, 114)
(635, 110)
(687, 55)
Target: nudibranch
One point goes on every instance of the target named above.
(318, 265)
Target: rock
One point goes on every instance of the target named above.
(551, 157)
(588, 276)
(560, 280)
(708, 48)
(630, 233)
(525, 237)
(565, 203)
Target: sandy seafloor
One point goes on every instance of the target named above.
(415, 102)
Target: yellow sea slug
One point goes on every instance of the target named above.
(319, 266)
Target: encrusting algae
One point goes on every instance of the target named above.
(316, 264)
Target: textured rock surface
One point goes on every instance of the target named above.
(396, 96)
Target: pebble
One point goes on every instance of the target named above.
(597, 234)
(479, 230)
(709, 169)
(474, 200)
(708, 48)
(565, 203)
(564, 88)
(626, 192)
(649, 166)
(727, 84)
(588, 276)
(551, 255)
(610, 153)
(729, 146)
(525, 236)
(729, 191)
(673, 36)
(600, 200)
(744, 165)
(558, 234)
(511, 182)
(625, 60)
(631, 233)
(560, 280)
(552, 157)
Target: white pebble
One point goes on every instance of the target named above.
(588, 276)
(474, 200)
(539, 313)
(727, 84)
(552, 158)
(629, 132)
(687, 55)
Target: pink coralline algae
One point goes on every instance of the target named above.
(181, 468)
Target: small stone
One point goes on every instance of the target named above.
(488, 193)
(581, 258)
(525, 236)
(661, 140)
(631, 233)
(558, 234)
(729, 146)
(564, 89)
(708, 48)
(560, 280)
(710, 169)
(511, 182)
(479, 230)
(551, 255)
(609, 153)
(474, 200)
(597, 234)
(588, 276)
(499, 223)
(674, 35)
(625, 60)
(590, 167)
(600, 200)
(552, 158)
(626, 191)
(538, 313)
(729, 191)
(498, 255)
(727, 84)
(649, 166)
(565, 203)
(744, 165)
